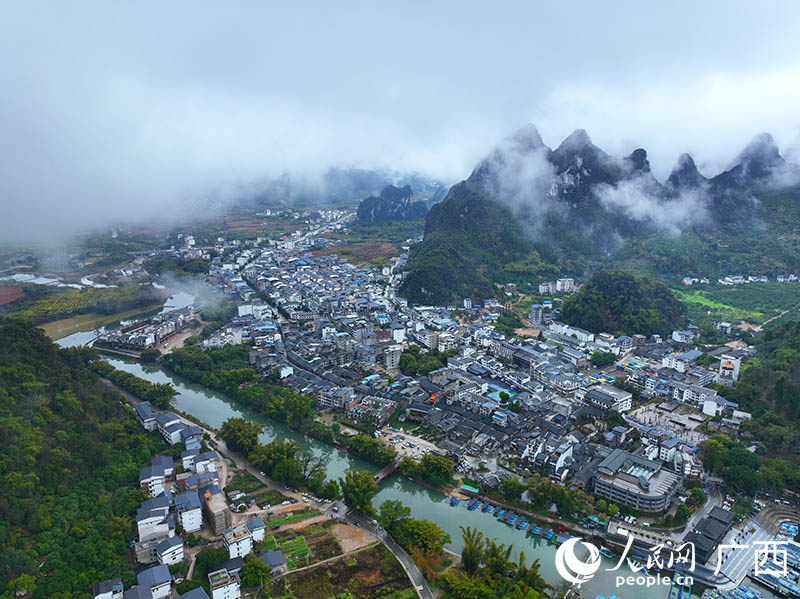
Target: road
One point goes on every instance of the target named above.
(418, 580)
(420, 585)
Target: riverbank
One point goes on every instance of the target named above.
(58, 329)
(212, 409)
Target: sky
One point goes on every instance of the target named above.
(120, 110)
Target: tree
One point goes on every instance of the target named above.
(392, 512)
(240, 434)
(613, 509)
(149, 356)
(255, 573)
(511, 488)
(601, 359)
(358, 488)
(472, 551)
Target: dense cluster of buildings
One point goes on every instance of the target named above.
(339, 334)
(149, 333)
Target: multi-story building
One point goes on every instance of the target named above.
(535, 315)
(238, 541)
(607, 397)
(224, 585)
(391, 356)
(189, 510)
(635, 481)
(728, 370)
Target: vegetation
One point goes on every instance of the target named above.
(370, 449)
(69, 466)
(507, 322)
(158, 394)
(240, 434)
(601, 358)
(42, 303)
(282, 461)
(433, 469)
(754, 302)
(746, 471)
(414, 362)
(621, 303)
(769, 388)
(178, 266)
(487, 571)
(358, 488)
(411, 533)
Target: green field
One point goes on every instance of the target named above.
(295, 549)
(753, 302)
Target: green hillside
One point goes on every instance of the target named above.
(70, 457)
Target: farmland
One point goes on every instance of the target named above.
(370, 573)
(53, 303)
(754, 302)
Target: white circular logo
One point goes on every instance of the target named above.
(573, 569)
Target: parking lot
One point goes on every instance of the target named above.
(408, 445)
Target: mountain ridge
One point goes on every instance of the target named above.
(529, 210)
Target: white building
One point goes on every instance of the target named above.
(189, 510)
(152, 478)
(170, 551)
(224, 585)
(157, 579)
(239, 541)
(257, 528)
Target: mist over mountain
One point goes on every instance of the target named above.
(337, 187)
(527, 210)
(393, 204)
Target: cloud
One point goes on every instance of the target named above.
(632, 198)
(115, 111)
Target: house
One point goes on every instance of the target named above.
(205, 462)
(157, 579)
(170, 551)
(170, 427)
(187, 459)
(257, 528)
(145, 415)
(275, 559)
(224, 585)
(108, 589)
(197, 593)
(667, 449)
(682, 336)
(152, 478)
(238, 541)
(164, 462)
(189, 510)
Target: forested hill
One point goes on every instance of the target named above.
(621, 303)
(528, 212)
(70, 454)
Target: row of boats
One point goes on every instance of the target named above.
(506, 516)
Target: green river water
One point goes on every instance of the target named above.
(214, 408)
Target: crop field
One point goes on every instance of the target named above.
(372, 573)
(295, 548)
(754, 302)
(55, 303)
(291, 517)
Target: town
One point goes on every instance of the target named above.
(623, 418)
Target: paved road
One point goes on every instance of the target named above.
(421, 586)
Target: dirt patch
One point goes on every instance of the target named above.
(10, 294)
(351, 537)
(362, 252)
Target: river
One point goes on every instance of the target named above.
(214, 408)
(179, 299)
